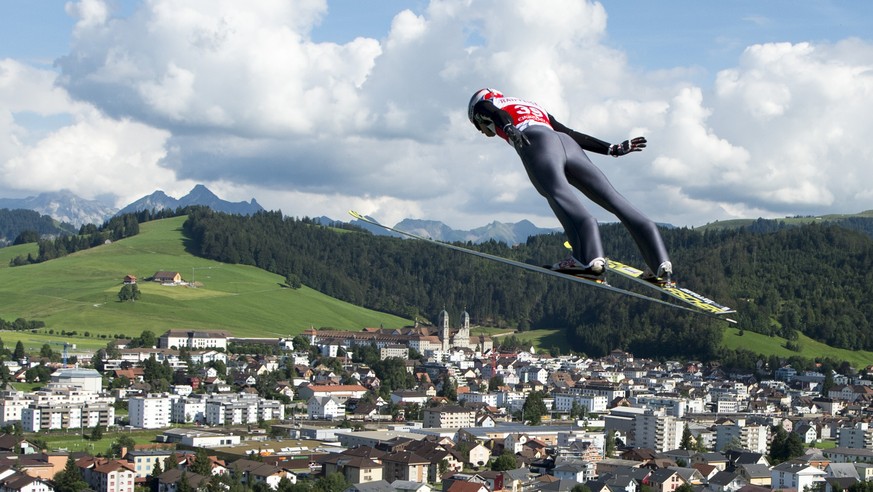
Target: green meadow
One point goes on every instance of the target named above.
(810, 349)
(79, 293)
(731, 338)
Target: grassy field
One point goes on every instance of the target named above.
(731, 338)
(737, 223)
(766, 345)
(540, 339)
(73, 441)
(79, 293)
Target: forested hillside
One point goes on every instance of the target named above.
(15, 222)
(814, 279)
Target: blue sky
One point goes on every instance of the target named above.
(752, 108)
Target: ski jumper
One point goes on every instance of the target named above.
(556, 163)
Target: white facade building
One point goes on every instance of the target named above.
(325, 407)
(592, 403)
(670, 404)
(11, 405)
(150, 412)
(39, 417)
(755, 438)
(657, 431)
(86, 379)
(193, 339)
(189, 409)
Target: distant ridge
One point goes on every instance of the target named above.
(199, 195)
(509, 233)
(63, 206)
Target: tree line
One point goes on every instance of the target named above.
(89, 235)
(810, 279)
(19, 226)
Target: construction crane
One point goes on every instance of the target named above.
(65, 354)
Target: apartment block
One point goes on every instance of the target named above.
(657, 431)
(149, 412)
(449, 416)
(40, 417)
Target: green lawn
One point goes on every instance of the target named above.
(79, 293)
(73, 441)
(731, 338)
(766, 345)
(540, 339)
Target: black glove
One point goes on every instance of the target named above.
(633, 145)
(515, 136)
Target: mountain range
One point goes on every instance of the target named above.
(509, 233)
(199, 195)
(65, 206)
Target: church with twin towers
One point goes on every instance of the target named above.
(460, 337)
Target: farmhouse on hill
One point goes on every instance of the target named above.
(167, 277)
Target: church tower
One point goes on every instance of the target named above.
(463, 336)
(443, 324)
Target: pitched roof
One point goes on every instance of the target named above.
(335, 388)
(464, 486)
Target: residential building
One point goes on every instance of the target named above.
(22, 482)
(394, 350)
(232, 411)
(754, 438)
(325, 407)
(143, 461)
(358, 465)
(654, 430)
(479, 455)
(404, 465)
(858, 436)
(107, 475)
(574, 469)
(194, 339)
(254, 472)
(724, 481)
(11, 404)
(38, 417)
(152, 411)
(849, 455)
(188, 409)
(664, 480)
(341, 392)
(591, 403)
(796, 475)
(449, 416)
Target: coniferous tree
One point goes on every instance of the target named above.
(70, 478)
(19, 352)
(534, 408)
(687, 439)
(202, 464)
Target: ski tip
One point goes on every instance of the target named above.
(732, 321)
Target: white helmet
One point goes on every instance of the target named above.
(481, 94)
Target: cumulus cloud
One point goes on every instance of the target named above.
(240, 97)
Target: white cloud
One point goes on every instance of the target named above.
(239, 96)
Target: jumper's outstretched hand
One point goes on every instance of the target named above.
(515, 136)
(636, 144)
